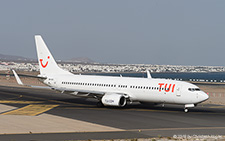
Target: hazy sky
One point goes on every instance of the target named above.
(190, 32)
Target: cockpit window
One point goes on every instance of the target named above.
(194, 89)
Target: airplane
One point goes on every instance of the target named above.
(112, 90)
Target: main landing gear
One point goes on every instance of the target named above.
(100, 104)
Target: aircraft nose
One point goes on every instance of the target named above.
(203, 96)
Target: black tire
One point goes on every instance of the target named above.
(100, 104)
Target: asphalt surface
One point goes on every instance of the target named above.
(137, 120)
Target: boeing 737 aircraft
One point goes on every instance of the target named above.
(115, 91)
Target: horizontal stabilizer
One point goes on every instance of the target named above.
(17, 78)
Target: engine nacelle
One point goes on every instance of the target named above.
(114, 100)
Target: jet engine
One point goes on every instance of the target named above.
(114, 100)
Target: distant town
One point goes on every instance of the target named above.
(111, 68)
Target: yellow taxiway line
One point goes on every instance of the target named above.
(31, 110)
(18, 102)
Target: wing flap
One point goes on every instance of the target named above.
(78, 91)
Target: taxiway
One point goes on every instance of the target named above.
(56, 116)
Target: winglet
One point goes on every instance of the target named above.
(148, 74)
(17, 78)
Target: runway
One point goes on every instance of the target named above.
(133, 121)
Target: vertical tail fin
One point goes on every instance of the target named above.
(46, 61)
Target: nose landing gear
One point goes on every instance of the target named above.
(186, 106)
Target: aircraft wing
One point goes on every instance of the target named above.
(87, 93)
(82, 93)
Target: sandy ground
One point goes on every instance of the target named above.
(216, 93)
(7, 80)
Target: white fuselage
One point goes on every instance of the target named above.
(138, 89)
(115, 91)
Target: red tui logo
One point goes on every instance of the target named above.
(41, 61)
(167, 89)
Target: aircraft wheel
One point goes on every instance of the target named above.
(185, 110)
(100, 104)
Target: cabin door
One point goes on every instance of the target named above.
(178, 91)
